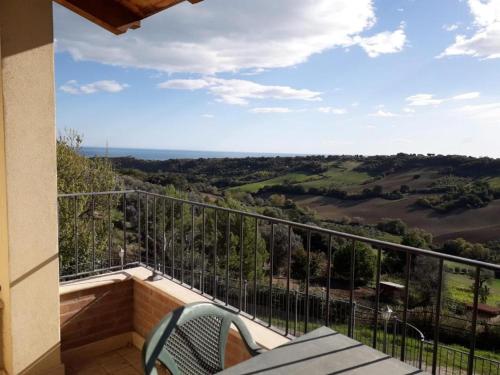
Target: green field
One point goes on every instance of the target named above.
(290, 178)
(338, 176)
(459, 287)
(494, 182)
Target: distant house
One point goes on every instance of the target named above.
(485, 311)
(391, 290)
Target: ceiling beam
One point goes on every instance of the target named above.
(118, 16)
(108, 14)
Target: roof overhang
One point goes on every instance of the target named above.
(118, 16)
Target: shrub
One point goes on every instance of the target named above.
(364, 263)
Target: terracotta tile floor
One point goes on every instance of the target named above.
(125, 361)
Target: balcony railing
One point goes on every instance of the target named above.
(229, 255)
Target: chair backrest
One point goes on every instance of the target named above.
(191, 340)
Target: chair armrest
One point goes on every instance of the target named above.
(252, 346)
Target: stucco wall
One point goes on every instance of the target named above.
(5, 344)
(32, 298)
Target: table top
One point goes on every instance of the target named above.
(323, 351)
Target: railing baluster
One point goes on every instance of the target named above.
(289, 268)
(164, 236)
(146, 228)
(377, 297)
(241, 260)
(215, 257)
(350, 327)
(228, 245)
(405, 307)
(192, 246)
(328, 281)
(271, 265)
(155, 248)
(139, 237)
(109, 230)
(308, 275)
(172, 241)
(437, 318)
(203, 235)
(124, 228)
(75, 231)
(256, 235)
(93, 232)
(182, 243)
(472, 348)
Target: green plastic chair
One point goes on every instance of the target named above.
(192, 339)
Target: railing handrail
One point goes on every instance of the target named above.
(376, 243)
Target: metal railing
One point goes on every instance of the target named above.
(203, 246)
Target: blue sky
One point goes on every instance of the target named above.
(295, 76)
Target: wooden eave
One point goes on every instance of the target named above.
(118, 16)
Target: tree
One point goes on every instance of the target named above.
(425, 281)
(417, 238)
(364, 263)
(463, 248)
(281, 246)
(277, 200)
(394, 261)
(299, 264)
(405, 189)
(485, 278)
(77, 174)
(393, 226)
(250, 248)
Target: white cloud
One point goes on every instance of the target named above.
(184, 84)
(467, 96)
(332, 110)
(423, 100)
(452, 27)
(271, 110)
(208, 115)
(227, 36)
(382, 113)
(384, 42)
(73, 87)
(239, 92)
(408, 110)
(485, 42)
(489, 112)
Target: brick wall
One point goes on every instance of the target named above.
(104, 311)
(151, 305)
(97, 313)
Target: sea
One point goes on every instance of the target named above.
(152, 154)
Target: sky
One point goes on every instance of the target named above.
(288, 76)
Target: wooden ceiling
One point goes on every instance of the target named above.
(118, 16)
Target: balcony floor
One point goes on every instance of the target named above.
(125, 361)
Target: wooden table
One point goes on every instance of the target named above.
(322, 351)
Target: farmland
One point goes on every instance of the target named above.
(448, 196)
(338, 175)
